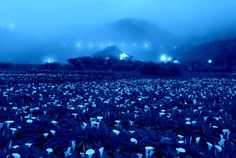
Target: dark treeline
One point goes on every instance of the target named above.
(116, 65)
(98, 64)
(94, 65)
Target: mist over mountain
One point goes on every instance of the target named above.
(143, 39)
(135, 36)
(134, 29)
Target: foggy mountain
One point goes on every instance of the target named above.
(139, 38)
(142, 39)
(133, 29)
(134, 36)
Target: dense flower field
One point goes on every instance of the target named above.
(121, 119)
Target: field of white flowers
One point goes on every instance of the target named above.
(145, 118)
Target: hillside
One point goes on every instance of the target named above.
(221, 52)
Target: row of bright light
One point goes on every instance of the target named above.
(49, 60)
(79, 45)
(165, 59)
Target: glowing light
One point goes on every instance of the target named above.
(110, 44)
(49, 60)
(90, 45)
(123, 56)
(146, 45)
(101, 45)
(176, 61)
(163, 58)
(78, 45)
(134, 45)
(12, 26)
(209, 61)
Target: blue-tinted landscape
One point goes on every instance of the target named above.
(118, 79)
